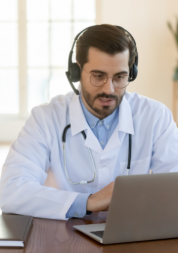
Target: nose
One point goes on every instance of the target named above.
(108, 86)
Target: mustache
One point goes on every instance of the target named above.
(104, 95)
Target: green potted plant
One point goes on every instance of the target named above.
(175, 75)
(175, 35)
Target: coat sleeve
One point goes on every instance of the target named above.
(22, 189)
(165, 144)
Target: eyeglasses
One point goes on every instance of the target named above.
(119, 80)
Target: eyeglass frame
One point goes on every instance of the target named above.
(106, 79)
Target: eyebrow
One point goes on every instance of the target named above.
(102, 72)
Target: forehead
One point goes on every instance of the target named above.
(108, 63)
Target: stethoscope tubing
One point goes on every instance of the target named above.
(64, 158)
(84, 136)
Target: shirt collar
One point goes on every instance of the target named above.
(110, 119)
(92, 120)
(79, 123)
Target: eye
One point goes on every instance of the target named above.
(98, 75)
(119, 77)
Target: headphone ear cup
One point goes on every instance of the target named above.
(74, 72)
(133, 73)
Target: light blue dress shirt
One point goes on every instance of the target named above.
(103, 130)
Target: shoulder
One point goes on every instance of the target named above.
(149, 113)
(143, 105)
(49, 119)
(57, 105)
(51, 116)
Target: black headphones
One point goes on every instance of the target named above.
(73, 73)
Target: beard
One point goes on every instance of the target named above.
(105, 110)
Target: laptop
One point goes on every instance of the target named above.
(142, 208)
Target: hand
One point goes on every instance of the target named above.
(100, 200)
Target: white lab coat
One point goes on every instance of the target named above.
(39, 147)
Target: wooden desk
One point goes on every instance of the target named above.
(53, 236)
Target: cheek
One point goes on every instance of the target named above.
(85, 84)
(89, 88)
(119, 92)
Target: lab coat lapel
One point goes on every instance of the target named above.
(124, 126)
(92, 142)
(125, 117)
(79, 123)
(77, 118)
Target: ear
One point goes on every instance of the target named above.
(79, 65)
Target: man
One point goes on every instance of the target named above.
(107, 114)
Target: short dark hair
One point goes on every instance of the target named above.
(107, 38)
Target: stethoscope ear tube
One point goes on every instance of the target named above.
(64, 133)
(84, 135)
(129, 153)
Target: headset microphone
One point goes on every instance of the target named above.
(73, 73)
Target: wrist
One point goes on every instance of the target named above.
(90, 203)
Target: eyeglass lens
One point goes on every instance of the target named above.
(98, 79)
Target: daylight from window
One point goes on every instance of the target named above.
(50, 27)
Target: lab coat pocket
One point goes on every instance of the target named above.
(136, 167)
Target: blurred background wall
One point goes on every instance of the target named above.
(147, 20)
(36, 37)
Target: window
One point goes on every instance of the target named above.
(9, 88)
(35, 40)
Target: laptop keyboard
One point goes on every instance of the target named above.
(98, 233)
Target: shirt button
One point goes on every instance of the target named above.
(76, 214)
(92, 125)
(107, 126)
(102, 143)
(101, 122)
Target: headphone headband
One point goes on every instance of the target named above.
(73, 73)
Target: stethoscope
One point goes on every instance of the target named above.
(84, 136)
